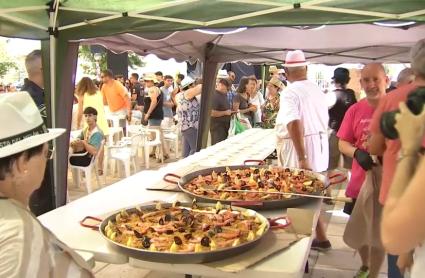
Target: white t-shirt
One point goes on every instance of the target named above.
(258, 100)
(304, 101)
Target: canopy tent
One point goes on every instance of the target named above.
(59, 22)
(327, 44)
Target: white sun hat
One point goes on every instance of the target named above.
(295, 58)
(24, 128)
(187, 81)
(222, 74)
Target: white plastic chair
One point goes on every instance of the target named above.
(87, 170)
(125, 152)
(171, 135)
(146, 143)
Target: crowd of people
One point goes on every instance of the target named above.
(380, 145)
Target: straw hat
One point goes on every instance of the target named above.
(273, 69)
(222, 74)
(150, 77)
(295, 58)
(24, 128)
(275, 81)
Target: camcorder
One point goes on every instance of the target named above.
(415, 102)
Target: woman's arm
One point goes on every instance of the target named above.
(80, 111)
(89, 148)
(193, 92)
(346, 148)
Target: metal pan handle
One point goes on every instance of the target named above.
(341, 179)
(274, 224)
(260, 162)
(247, 203)
(166, 178)
(94, 227)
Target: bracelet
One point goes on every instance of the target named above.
(302, 158)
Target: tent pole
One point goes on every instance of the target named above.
(52, 52)
(208, 86)
(263, 79)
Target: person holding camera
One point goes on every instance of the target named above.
(402, 227)
(389, 149)
(363, 187)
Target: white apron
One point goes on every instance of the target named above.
(317, 151)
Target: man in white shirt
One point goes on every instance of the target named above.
(301, 124)
(301, 127)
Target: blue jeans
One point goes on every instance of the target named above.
(393, 271)
(189, 138)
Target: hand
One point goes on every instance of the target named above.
(410, 128)
(228, 112)
(253, 108)
(304, 164)
(405, 262)
(364, 159)
(146, 117)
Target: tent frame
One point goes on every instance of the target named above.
(278, 7)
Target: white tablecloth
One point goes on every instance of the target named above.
(251, 144)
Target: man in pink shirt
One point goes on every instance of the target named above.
(353, 141)
(389, 149)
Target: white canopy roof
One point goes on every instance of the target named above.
(334, 44)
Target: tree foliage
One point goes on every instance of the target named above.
(93, 60)
(5, 67)
(6, 62)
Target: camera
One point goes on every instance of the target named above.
(415, 102)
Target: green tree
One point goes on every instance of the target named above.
(6, 62)
(5, 67)
(93, 60)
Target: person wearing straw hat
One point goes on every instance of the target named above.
(153, 112)
(27, 249)
(301, 127)
(271, 105)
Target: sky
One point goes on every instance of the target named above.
(20, 47)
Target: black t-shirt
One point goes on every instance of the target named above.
(220, 103)
(37, 95)
(344, 99)
(137, 90)
(157, 113)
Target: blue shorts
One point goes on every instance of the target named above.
(154, 122)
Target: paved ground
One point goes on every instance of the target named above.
(340, 262)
